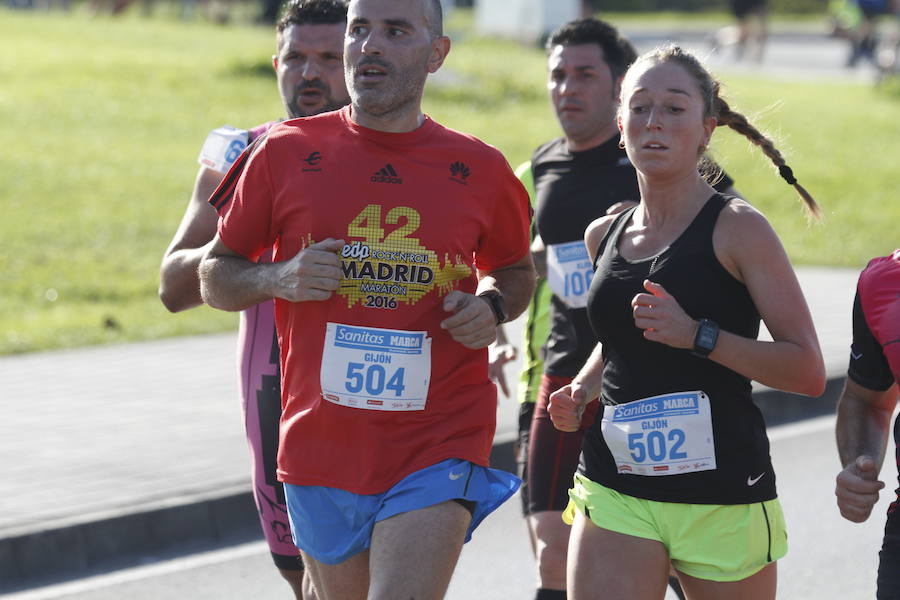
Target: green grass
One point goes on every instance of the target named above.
(104, 119)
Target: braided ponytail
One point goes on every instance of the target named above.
(739, 123)
(715, 106)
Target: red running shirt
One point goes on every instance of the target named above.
(878, 298)
(373, 388)
(875, 354)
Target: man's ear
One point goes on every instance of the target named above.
(617, 87)
(440, 48)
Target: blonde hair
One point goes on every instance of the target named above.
(715, 106)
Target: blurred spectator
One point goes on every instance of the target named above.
(856, 21)
(117, 7)
(215, 10)
(750, 31)
(38, 4)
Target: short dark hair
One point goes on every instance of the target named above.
(312, 12)
(618, 53)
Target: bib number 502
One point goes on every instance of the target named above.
(374, 379)
(656, 446)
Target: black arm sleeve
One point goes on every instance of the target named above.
(868, 365)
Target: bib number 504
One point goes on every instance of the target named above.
(374, 379)
(657, 445)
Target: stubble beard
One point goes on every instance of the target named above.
(295, 111)
(397, 94)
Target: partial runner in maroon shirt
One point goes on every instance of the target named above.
(865, 408)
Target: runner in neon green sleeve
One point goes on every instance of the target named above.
(537, 325)
(536, 321)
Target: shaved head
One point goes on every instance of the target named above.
(435, 17)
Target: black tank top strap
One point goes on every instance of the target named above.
(613, 233)
(698, 235)
(709, 214)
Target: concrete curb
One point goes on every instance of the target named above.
(780, 407)
(105, 543)
(76, 550)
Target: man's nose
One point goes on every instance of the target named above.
(372, 45)
(311, 70)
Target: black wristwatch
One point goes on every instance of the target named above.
(494, 298)
(705, 340)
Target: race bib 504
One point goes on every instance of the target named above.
(376, 369)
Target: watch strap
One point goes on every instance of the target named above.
(706, 337)
(498, 306)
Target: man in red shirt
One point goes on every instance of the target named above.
(399, 246)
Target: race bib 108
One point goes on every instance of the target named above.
(376, 369)
(569, 272)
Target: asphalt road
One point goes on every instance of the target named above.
(829, 558)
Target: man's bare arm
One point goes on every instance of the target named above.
(863, 429)
(514, 282)
(228, 281)
(864, 422)
(179, 283)
(473, 323)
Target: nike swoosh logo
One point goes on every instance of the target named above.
(753, 481)
(455, 476)
(855, 356)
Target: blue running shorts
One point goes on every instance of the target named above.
(331, 524)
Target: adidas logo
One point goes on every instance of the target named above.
(386, 174)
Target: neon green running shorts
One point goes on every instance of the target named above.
(708, 541)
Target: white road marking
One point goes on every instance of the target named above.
(805, 427)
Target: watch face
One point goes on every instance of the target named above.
(707, 334)
(706, 337)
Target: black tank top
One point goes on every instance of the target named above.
(571, 190)
(635, 368)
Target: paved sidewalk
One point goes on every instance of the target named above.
(794, 52)
(119, 451)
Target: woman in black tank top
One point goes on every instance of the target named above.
(681, 283)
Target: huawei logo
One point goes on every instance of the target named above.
(459, 172)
